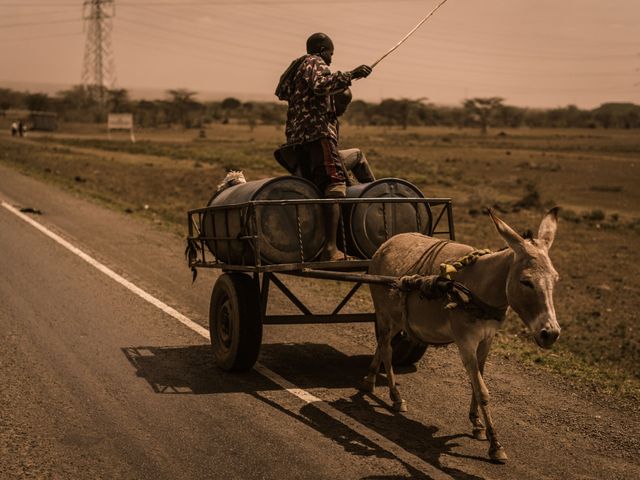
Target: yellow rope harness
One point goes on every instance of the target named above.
(443, 285)
(447, 270)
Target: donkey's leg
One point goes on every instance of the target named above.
(469, 353)
(369, 382)
(479, 431)
(399, 405)
(384, 324)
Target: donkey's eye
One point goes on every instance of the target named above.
(527, 283)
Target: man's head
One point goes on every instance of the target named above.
(320, 44)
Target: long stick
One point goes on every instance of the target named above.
(409, 34)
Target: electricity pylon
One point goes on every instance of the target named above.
(98, 69)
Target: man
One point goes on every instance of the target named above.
(352, 158)
(308, 85)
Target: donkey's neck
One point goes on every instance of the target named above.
(487, 277)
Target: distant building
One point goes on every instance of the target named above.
(45, 121)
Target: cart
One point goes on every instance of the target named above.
(240, 296)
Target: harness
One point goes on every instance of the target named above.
(447, 270)
(457, 295)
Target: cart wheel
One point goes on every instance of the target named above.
(404, 351)
(235, 326)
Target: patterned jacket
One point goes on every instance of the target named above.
(308, 89)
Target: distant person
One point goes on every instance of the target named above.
(308, 85)
(21, 128)
(14, 129)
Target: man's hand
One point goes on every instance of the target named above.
(361, 72)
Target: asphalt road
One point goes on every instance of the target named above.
(99, 383)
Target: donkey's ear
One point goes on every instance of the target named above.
(548, 227)
(515, 241)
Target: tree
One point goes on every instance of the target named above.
(79, 104)
(77, 97)
(148, 113)
(37, 102)
(358, 113)
(618, 115)
(401, 112)
(10, 99)
(250, 115)
(482, 110)
(272, 113)
(181, 105)
(509, 116)
(230, 103)
(118, 100)
(410, 109)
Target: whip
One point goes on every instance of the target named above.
(409, 34)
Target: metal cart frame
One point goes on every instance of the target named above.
(254, 279)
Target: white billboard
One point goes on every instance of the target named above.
(120, 121)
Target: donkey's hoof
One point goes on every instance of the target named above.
(400, 406)
(480, 433)
(367, 385)
(498, 455)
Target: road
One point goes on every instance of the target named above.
(99, 383)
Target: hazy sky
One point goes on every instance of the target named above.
(531, 52)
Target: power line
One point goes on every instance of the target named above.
(9, 39)
(36, 14)
(217, 3)
(48, 22)
(446, 44)
(187, 51)
(460, 66)
(210, 39)
(414, 61)
(274, 33)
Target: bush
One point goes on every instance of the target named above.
(570, 216)
(594, 215)
(531, 198)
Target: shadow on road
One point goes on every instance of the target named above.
(191, 370)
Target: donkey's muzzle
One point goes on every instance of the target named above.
(546, 337)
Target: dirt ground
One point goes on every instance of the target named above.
(100, 384)
(592, 174)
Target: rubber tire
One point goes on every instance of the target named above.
(405, 351)
(235, 326)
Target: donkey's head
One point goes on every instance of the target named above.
(532, 278)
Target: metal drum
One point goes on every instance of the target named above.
(275, 226)
(369, 225)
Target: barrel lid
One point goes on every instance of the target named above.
(385, 187)
(373, 223)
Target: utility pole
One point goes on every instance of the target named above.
(98, 69)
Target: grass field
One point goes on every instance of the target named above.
(593, 174)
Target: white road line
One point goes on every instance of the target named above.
(403, 455)
(110, 273)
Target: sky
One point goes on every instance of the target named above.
(536, 53)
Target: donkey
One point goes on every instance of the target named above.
(520, 276)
